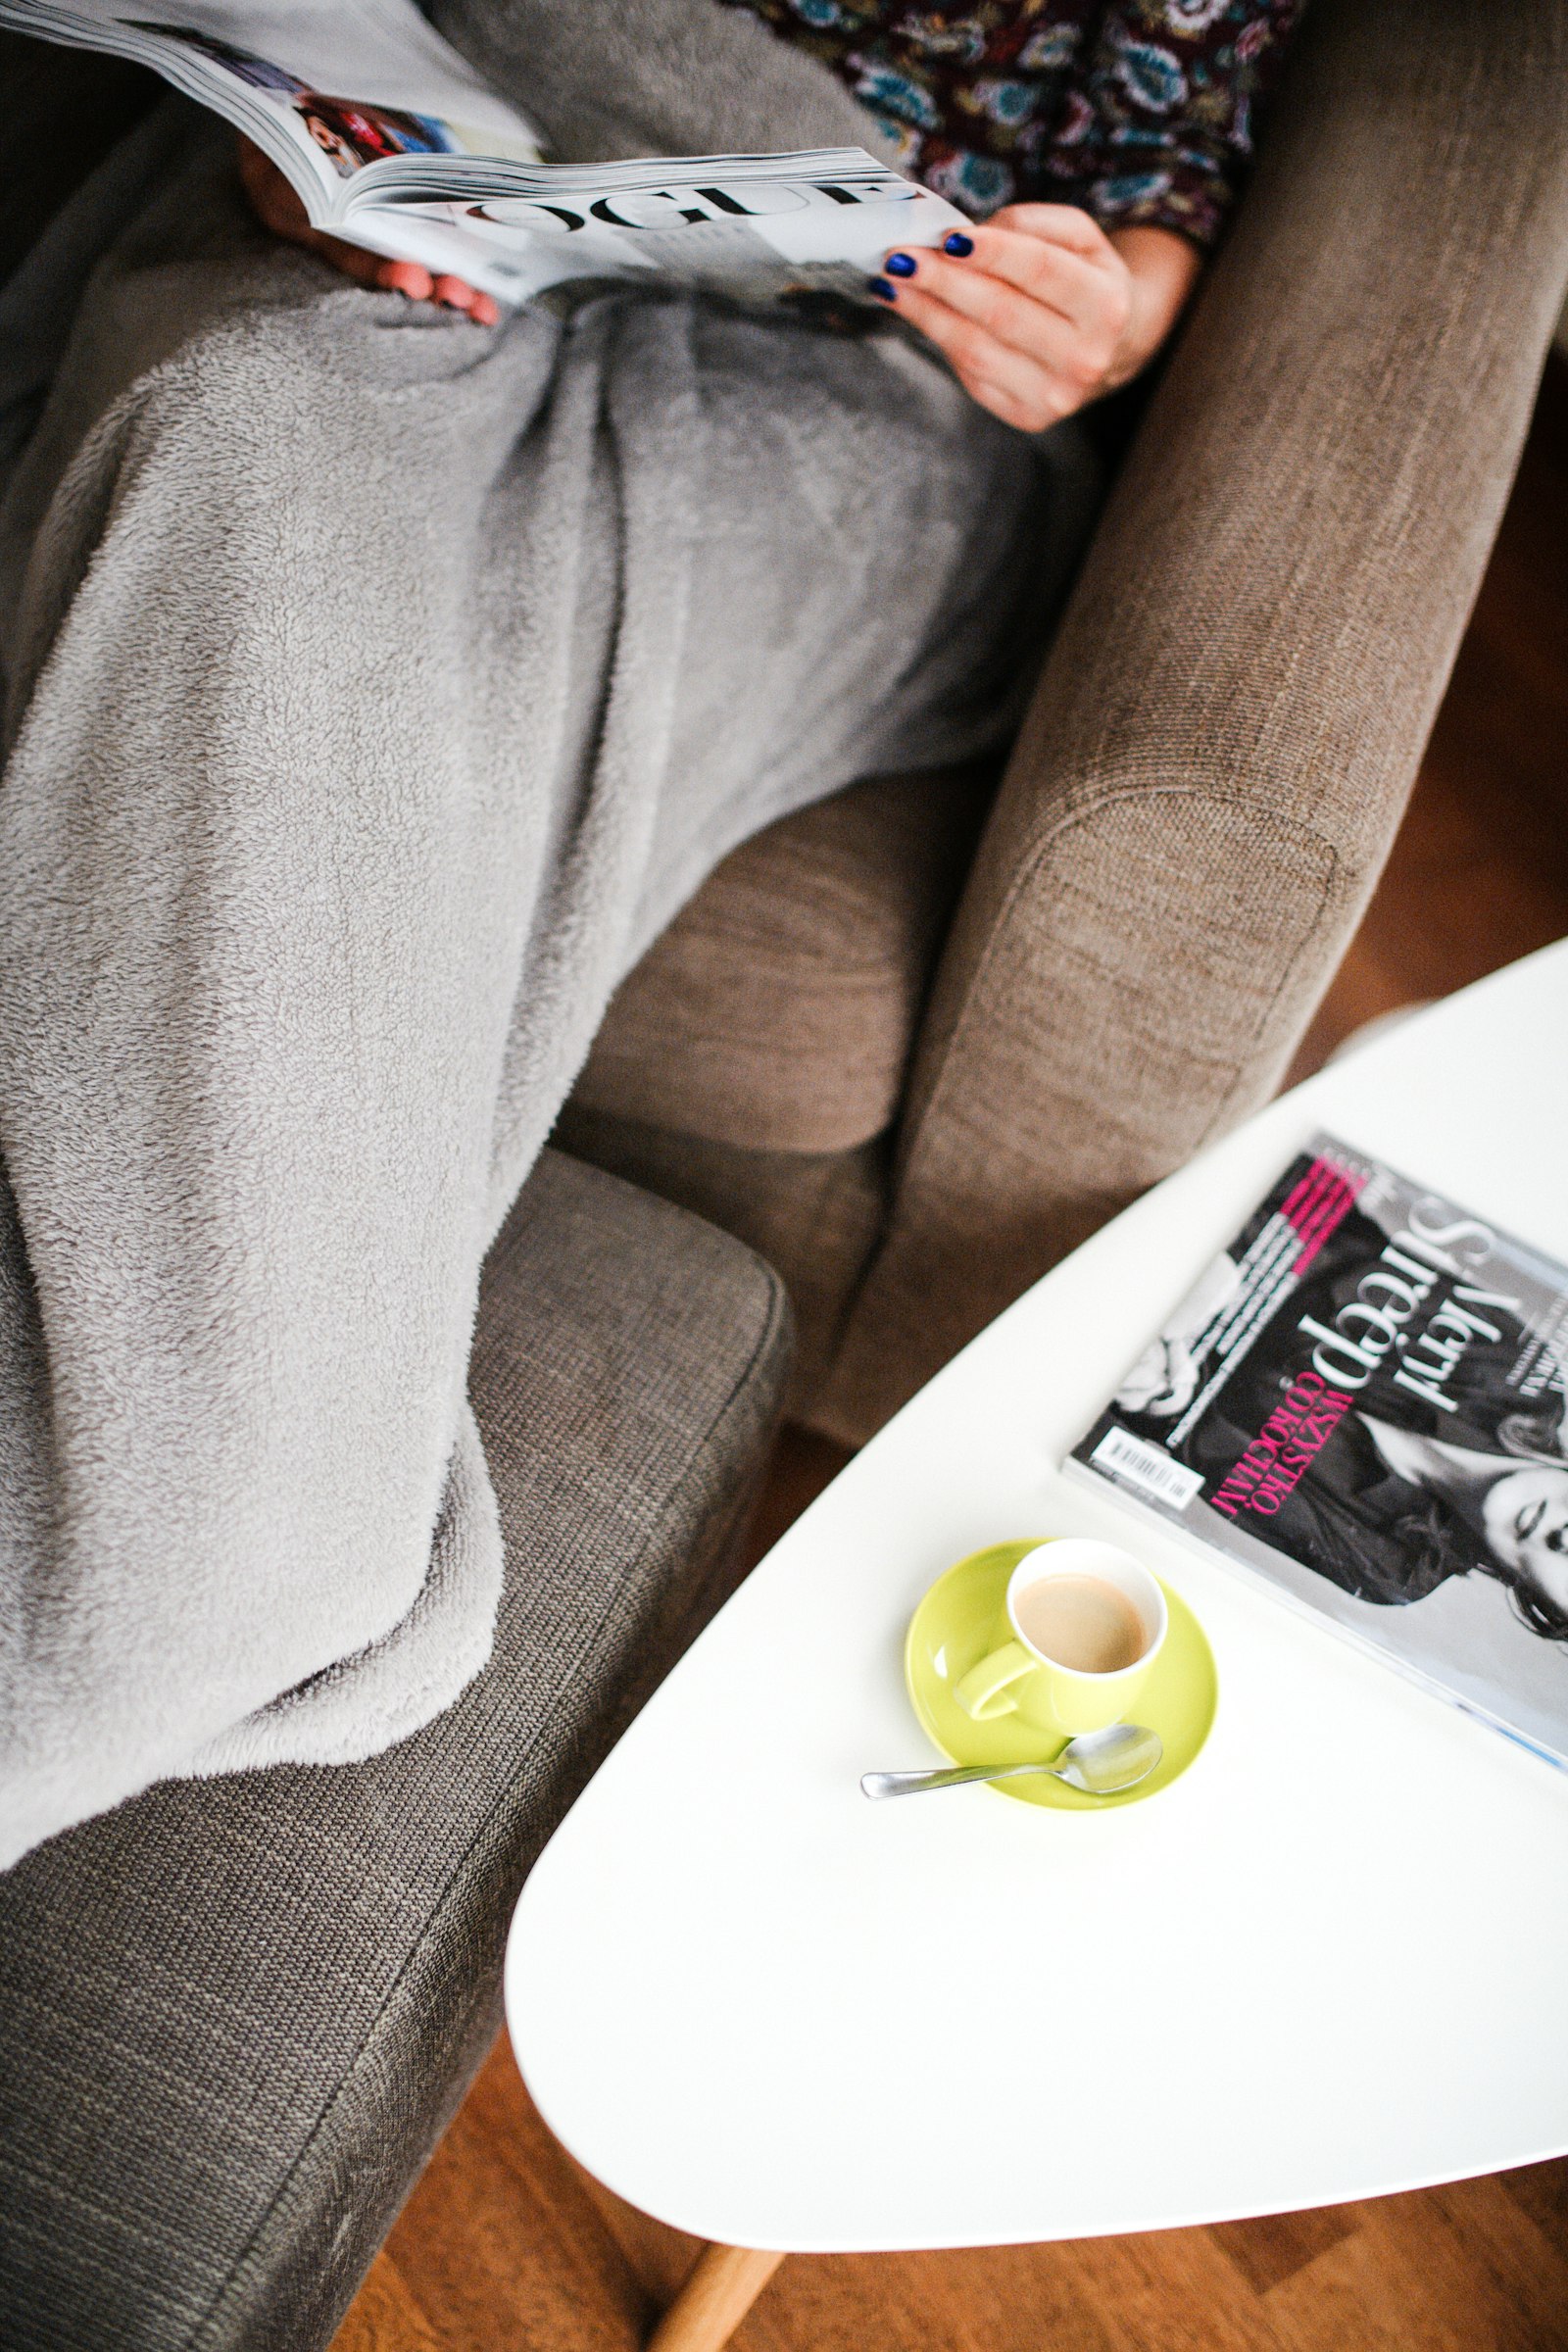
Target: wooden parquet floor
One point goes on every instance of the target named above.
(507, 2246)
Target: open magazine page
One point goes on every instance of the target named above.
(326, 92)
(1365, 1400)
(422, 163)
(812, 226)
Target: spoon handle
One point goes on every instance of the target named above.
(949, 1776)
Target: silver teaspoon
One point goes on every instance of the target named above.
(1100, 1763)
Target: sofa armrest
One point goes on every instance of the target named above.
(1232, 715)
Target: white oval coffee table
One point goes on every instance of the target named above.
(769, 2012)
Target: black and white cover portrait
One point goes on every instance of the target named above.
(1365, 1397)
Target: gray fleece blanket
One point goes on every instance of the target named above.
(376, 686)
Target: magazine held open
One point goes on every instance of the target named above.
(1363, 1400)
(391, 141)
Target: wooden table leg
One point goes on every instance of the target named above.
(721, 2289)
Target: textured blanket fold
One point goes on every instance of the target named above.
(376, 687)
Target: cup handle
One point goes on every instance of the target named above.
(985, 1692)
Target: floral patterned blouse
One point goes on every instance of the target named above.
(1136, 109)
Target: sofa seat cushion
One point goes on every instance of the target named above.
(236, 2014)
(816, 1217)
(777, 1012)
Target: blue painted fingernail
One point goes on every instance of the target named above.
(899, 265)
(881, 289)
(957, 245)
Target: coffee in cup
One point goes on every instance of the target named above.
(1082, 1626)
(1085, 1622)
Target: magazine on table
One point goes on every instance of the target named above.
(1363, 1402)
(392, 141)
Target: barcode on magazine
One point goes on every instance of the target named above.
(1146, 1468)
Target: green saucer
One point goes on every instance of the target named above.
(956, 1623)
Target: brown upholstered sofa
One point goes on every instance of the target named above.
(916, 1044)
(912, 1044)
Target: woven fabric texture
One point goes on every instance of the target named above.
(778, 1012)
(236, 2014)
(814, 1216)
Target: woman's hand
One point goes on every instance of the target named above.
(278, 209)
(1037, 310)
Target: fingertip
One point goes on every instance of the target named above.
(486, 310)
(408, 277)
